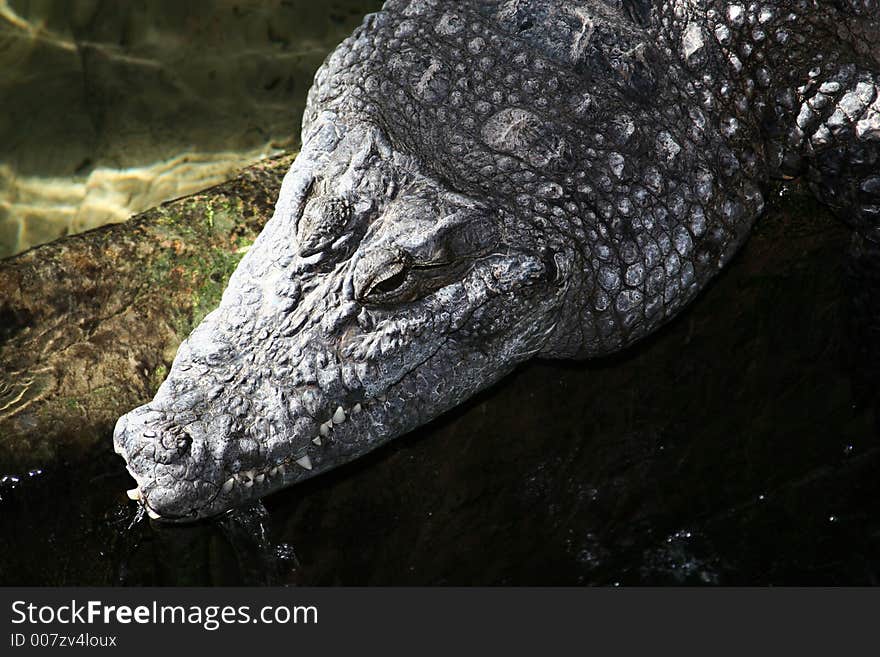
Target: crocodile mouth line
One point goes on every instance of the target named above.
(274, 473)
(273, 476)
(248, 478)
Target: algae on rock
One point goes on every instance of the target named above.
(89, 324)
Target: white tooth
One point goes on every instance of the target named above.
(229, 484)
(273, 471)
(248, 483)
(325, 429)
(260, 478)
(356, 408)
(305, 462)
(118, 448)
(153, 514)
(382, 398)
(317, 440)
(134, 494)
(282, 468)
(339, 415)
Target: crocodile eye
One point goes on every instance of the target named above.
(390, 276)
(387, 283)
(392, 282)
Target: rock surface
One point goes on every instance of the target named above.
(89, 324)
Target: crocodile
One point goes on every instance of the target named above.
(486, 181)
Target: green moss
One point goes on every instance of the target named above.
(201, 240)
(209, 214)
(215, 274)
(158, 376)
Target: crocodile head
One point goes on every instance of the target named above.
(438, 228)
(376, 298)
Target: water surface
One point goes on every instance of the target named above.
(110, 108)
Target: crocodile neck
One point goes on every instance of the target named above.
(760, 61)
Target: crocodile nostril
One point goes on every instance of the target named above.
(183, 443)
(175, 440)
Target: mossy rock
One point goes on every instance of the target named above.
(90, 323)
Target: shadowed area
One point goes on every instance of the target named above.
(737, 446)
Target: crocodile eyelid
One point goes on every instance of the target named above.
(396, 268)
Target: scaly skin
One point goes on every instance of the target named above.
(486, 181)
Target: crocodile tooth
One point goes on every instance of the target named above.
(305, 462)
(317, 440)
(339, 415)
(273, 471)
(260, 478)
(382, 398)
(325, 429)
(356, 408)
(229, 484)
(134, 494)
(152, 514)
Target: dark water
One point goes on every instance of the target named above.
(738, 446)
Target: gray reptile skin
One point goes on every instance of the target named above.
(486, 181)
